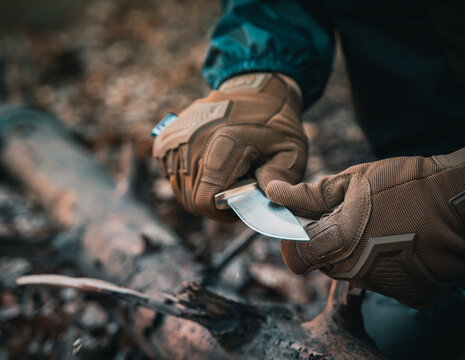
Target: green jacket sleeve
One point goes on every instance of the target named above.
(291, 37)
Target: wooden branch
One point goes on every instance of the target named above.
(104, 287)
(219, 315)
(238, 245)
(80, 194)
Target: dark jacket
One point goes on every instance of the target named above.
(405, 59)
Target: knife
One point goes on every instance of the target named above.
(259, 213)
(252, 206)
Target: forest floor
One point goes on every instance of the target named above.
(110, 75)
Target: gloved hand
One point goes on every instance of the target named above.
(251, 120)
(395, 226)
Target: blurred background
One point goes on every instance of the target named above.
(110, 69)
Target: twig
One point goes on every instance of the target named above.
(238, 245)
(104, 287)
(216, 313)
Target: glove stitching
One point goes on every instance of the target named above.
(241, 161)
(365, 215)
(328, 186)
(355, 240)
(298, 134)
(195, 188)
(260, 126)
(412, 180)
(301, 251)
(257, 125)
(301, 247)
(223, 181)
(284, 102)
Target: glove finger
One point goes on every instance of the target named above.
(311, 199)
(288, 166)
(171, 164)
(306, 199)
(291, 253)
(204, 200)
(224, 162)
(333, 237)
(173, 179)
(297, 256)
(205, 203)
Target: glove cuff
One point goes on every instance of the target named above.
(257, 81)
(292, 83)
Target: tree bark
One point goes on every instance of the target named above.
(114, 231)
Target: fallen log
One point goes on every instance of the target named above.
(113, 229)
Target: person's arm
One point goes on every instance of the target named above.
(289, 37)
(251, 123)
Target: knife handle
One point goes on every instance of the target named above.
(221, 199)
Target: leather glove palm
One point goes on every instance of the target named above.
(251, 118)
(395, 226)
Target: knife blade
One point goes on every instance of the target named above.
(259, 213)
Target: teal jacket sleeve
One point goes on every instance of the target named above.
(291, 37)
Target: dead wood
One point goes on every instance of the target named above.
(79, 193)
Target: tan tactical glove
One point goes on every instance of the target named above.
(251, 120)
(395, 226)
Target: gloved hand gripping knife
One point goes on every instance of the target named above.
(251, 122)
(395, 226)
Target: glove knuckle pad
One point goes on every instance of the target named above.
(221, 149)
(191, 121)
(327, 242)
